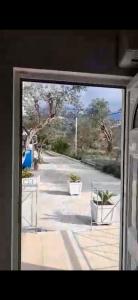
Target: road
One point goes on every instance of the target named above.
(57, 210)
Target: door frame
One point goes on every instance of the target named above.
(40, 75)
(132, 84)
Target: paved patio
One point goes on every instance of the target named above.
(65, 222)
(100, 247)
(90, 250)
(57, 210)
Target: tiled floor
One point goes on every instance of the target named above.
(65, 250)
(100, 247)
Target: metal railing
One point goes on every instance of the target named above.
(29, 189)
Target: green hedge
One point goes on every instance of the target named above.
(106, 166)
(112, 168)
(60, 146)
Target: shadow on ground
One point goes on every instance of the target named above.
(54, 192)
(30, 267)
(72, 219)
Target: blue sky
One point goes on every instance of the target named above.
(112, 95)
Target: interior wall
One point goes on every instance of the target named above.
(69, 50)
(5, 165)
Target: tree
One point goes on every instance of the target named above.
(98, 110)
(42, 103)
(50, 133)
(106, 130)
(42, 141)
(87, 134)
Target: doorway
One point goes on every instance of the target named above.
(80, 82)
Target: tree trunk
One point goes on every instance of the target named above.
(41, 149)
(35, 130)
(109, 146)
(29, 138)
(39, 155)
(108, 136)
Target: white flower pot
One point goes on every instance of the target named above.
(75, 188)
(102, 214)
(31, 181)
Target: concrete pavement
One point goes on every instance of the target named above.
(64, 250)
(57, 210)
(68, 243)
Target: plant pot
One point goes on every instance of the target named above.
(75, 188)
(31, 181)
(102, 214)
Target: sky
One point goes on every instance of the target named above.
(112, 95)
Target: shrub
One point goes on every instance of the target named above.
(112, 168)
(74, 178)
(73, 155)
(26, 173)
(107, 166)
(60, 146)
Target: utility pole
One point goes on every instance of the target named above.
(76, 133)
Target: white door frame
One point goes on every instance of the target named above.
(129, 240)
(20, 74)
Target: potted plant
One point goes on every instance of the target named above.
(102, 207)
(28, 178)
(75, 184)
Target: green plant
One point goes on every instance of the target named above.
(74, 178)
(112, 168)
(73, 155)
(105, 197)
(60, 146)
(26, 173)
